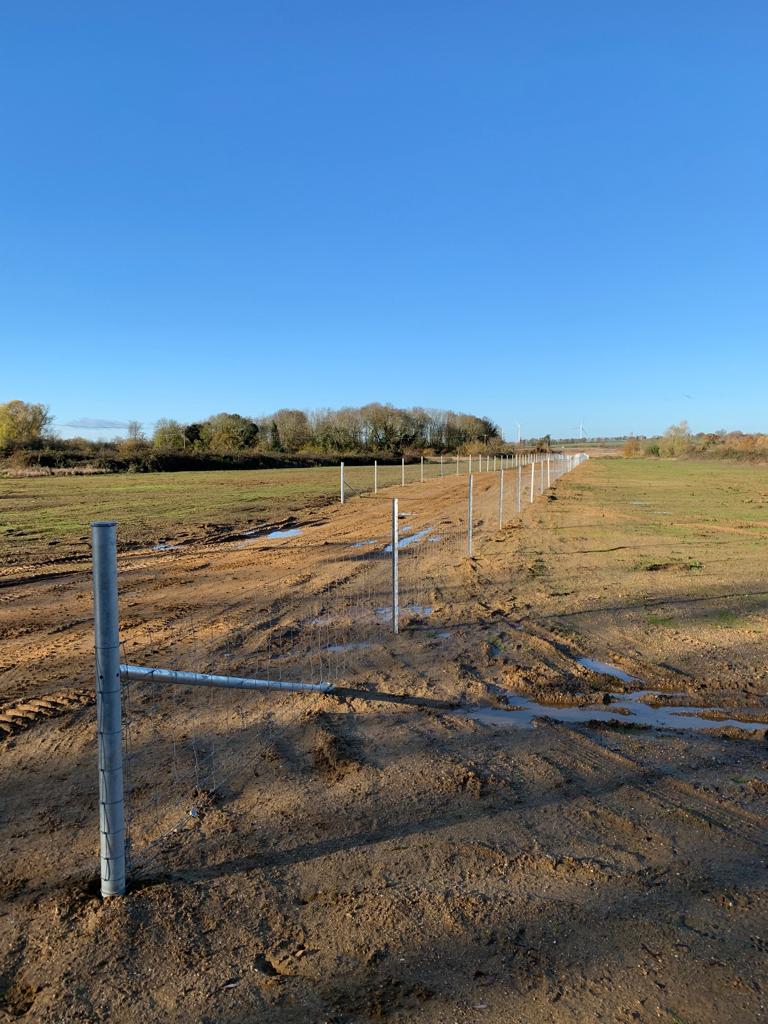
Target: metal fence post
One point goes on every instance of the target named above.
(109, 726)
(533, 477)
(469, 516)
(422, 469)
(341, 482)
(501, 498)
(441, 465)
(402, 471)
(375, 476)
(395, 570)
(519, 487)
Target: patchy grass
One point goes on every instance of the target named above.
(37, 511)
(660, 620)
(726, 619)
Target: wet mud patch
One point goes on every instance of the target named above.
(334, 753)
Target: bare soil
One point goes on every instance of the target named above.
(392, 860)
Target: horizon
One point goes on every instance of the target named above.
(549, 216)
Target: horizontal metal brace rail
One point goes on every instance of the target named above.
(139, 673)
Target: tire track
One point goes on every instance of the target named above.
(680, 796)
(25, 714)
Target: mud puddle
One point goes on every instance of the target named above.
(624, 708)
(412, 538)
(421, 610)
(604, 669)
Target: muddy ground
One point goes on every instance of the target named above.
(396, 860)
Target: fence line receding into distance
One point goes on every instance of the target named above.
(178, 716)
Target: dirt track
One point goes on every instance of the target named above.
(383, 861)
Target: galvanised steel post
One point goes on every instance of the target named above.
(533, 477)
(501, 499)
(422, 469)
(519, 486)
(469, 516)
(457, 465)
(548, 476)
(441, 466)
(341, 482)
(109, 726)
(402, 471)
(395, 570)
(375, 476)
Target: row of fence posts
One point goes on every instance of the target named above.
(500, 464)
(110, 673)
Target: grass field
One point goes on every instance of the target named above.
(666, 560)
(39, 513)
(48, 516)
(684, 500)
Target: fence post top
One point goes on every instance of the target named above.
(103, 524)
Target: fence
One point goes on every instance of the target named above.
(361, 479)
(310, 611)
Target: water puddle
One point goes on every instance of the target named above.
(352, 646)
(363, 543)
(624, 709)
(166, 547)
(279, 534)
(606, 670)
(421, 610)
(412, 538)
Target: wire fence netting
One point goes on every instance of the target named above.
(311, 605)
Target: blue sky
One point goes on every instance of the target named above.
(545, 213)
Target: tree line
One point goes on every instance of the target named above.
(372, 428)
(369, 428)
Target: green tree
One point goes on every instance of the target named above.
(168, 436)
(193, 435)
(23, 423)
(227, 431)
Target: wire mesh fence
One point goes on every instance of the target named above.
(312, 606)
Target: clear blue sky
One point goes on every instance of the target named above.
(543, 212)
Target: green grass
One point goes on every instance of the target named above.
(681, 504)
(676, 531)
(660, 620)
(725, 619)
(39, 510)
